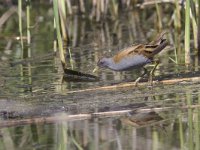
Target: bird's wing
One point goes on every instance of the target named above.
(130, 51)
(147, 50)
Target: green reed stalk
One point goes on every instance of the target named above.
(62, 132)
(194, 24)
(54, 40)
(70, 58)
(198, 14)
(78, 146)
(187, 33)
(98, 11)
(196, 129)
(7, 140)
(177, 20)
(198, 121)
(62, 12)
(155, 139)
(28, 23)
(59, 38)
(20, 22)
(21, 37)
(28, 40)
(190, 118)
(181, 132)
(175, 54)
(159, 16)
(176, 47)
(115, 7)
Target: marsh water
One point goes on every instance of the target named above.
(35, 87)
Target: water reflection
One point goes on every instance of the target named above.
(165, 120)
(107, 133)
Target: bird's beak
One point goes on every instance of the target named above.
(95, 69)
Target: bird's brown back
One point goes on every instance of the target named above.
(147, 50)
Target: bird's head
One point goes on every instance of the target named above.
(103, 62)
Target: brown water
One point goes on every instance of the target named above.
(35, 88)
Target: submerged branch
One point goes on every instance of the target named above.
(65, 117)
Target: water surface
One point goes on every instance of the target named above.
(35, 87)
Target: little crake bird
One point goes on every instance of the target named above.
(135, 57)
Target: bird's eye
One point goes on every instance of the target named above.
(101, 63)
(163, 40)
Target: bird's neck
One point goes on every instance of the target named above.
(111, 64)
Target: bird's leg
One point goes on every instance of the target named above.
(140, 77)
(151, 74)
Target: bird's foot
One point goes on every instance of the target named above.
(151, 74)
(139, 78)
(150, 81)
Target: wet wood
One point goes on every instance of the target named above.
(142, 84)
(65, 117)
